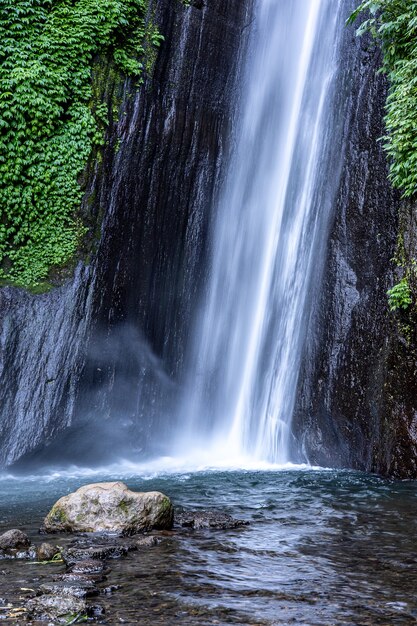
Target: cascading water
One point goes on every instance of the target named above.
(267, 238)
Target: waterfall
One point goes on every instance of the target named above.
(268, 238)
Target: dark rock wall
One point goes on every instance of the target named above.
(395, 453)
(357, 395)
(74, 361)
(40, 361)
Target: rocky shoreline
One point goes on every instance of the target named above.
(76, 574)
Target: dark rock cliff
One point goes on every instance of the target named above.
(74, 361)
(357, 395)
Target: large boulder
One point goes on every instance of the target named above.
(110, 507)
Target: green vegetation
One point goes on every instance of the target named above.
(124, 507)
(393, 23)
(56, 559)
(399, 297)
(58, 515)
(50, 121)
(76, 618)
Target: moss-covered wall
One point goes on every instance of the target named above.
(53, 119)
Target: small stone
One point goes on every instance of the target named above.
(14, 540)
(46, 552)
(79, 577)
(107, 591)
(147, 542)
(29, 554)
(76, 589)
(88, 566)
(95, 610)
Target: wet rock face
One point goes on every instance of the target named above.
(110, 507)
(175, 138)
(398, 455)
(40, 350)
(357, 389)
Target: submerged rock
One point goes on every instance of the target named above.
(149, 541)
(87, 566)
(78, 553)
(207, 519)
(77, 588)
(110, 507)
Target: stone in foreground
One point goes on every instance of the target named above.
(58, 609)
(111, 508)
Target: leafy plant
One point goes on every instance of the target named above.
(57, 558)
(399, 296)
(393, 23)
(76, 618)
(50, 121)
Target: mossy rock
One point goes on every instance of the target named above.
(110, 507)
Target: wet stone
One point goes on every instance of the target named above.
(87, 566)
(76, 554)
(57, 609)
(14, 539)
(46, 552)
(25, 555)
(80, 577)
(77, 589)
(15, 544)
(207, 519)
(107, 591)
(146, 542)
(95, 610)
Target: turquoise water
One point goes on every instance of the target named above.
(322, 547)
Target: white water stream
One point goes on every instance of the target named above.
(267, 240)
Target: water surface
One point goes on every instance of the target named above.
(322, 547)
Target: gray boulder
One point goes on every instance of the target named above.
(112, 508)
(14, 540)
